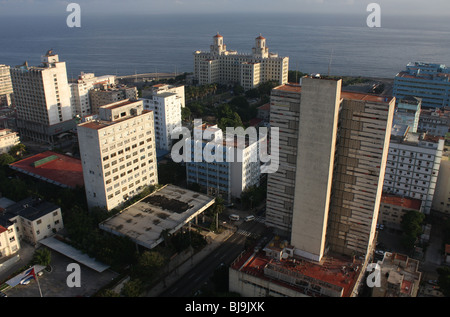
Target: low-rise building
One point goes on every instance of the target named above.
(435, 121)
(110, 94)
(393, 208)
(33, 219)
(8, 139)
(399, 276)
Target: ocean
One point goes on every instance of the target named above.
(125, 45)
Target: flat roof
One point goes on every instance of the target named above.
(336, 271)
(73, 253)
(169, 208)
(401, 201)
(64, 171)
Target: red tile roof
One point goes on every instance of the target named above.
(404, 202)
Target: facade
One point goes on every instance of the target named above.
(118, 153)
(166, 103)
(33, 219)
(399, 276)
(81, 104)
(8, 139)
(9, 240)
(238, 168)
(435, 121)
(429, 82)
(6, 88)
(408, 112)
(42, 99)
(110, 94)
(333, 150)
(393, 208)
(223, 66)
(413, 166)
(441, 199)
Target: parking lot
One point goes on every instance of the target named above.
(54, 283)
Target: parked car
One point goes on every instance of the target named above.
(234, 217)
(26, 280)
(432, 282)
(249, 218)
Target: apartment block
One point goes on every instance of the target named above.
(435, 121)
(333, 150)
(427, 81)
(393, 208)
(110, 94)
(441, 198)
(81, 104)
(166, 103)
(223, 66)
(118, 153)
(42, 98)
(413, 165)
(6, 88)
(238, 168)
(8, 139)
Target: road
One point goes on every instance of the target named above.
(225, 253)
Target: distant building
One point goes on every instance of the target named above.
(223, 66)
(230, 177)
(429, 82)
(413, 165)
(81, 104)
(118, 153)
(264, 112)
(6, 88)
(393, 208)
(34, 219)
(407, 112)
(166, 103)
(42, 99)
(8, 139)
(435, 121)
(110, 94)
(399, 276)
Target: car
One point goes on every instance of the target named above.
(249, 218)
(379, 252)
(432, 282)
(26, 280)
(234, 217)
(40, 273)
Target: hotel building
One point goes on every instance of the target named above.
(42, 98)
(118, 153)
(223, 66)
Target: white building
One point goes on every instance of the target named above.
(166, 102)
(8, 139)
(32, 220)
(42, 98)
(239, 168)
(223, 66)
(81, 104)
(118, 153)
(6, 88)
(413, 165)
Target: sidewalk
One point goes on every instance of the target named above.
(217, 239)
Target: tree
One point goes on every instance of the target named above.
(149, 265)
(17, 151)
(186, 114)
(6, 159)
(412, 228)
(42, 257)
(132, 288)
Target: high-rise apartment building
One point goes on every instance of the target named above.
(166, 103)
(333, 152)
(413, 165)
(42, 98)
(118, 153)
(239, 167)
(6, 88)
(81, 104)
(223, 66)
(429, 82)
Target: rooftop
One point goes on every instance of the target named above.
(52, 167)
(169, 208)
(30, 208)
(336, 275)
(404, 202)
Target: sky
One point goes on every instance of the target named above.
(127, 7)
